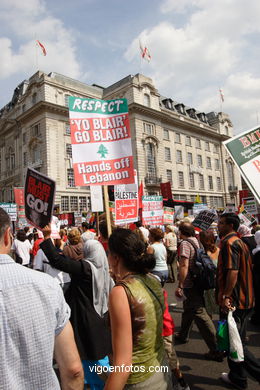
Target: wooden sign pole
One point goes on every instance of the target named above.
(106, 199)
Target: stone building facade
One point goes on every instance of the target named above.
(171, 142)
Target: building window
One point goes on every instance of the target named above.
(149, 128)
(179, 156)
(189, 158)
(210, 183)
(169, 175)
(188, 140)
(24, 138)
(203, 199)
(66, 100)
(217, 164)
(69, 150)
(166, 134)
(10, 160)
(201, 182)
(36, 154)
(199, 158)
(216, 148)
(74, 203)
(82, 203)
(208, 162)
(191, 178)
(151, 161)
(181, 179)
(25, 162)
(180, 197)
(167, 154)
(34, 98)
(147, 101)
(207, 147)
(67, 129)
(35, 130)
(198, 143)
(23, 107)
(177, 138)
(70, 177)
(218, 184)
(230, 173)
(64, 203)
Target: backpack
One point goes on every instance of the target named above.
(204, 273)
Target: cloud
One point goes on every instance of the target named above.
(214, 47)
(26, 22)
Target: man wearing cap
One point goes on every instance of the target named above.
(34, 325)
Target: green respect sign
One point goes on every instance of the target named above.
(244, 149)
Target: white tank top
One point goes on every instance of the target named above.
(160, 255)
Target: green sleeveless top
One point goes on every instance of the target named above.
(146, 302)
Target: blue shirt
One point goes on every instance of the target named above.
(32, 312)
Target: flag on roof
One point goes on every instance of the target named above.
(145, 52)
(44, 52)
(221, 94)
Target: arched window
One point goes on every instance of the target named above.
(151, 160)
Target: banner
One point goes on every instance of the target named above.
(39, 196)
(96, 197)
(152, 210)
(179, 212)
(168, 214)
(246, 218)
(230, 208)
(126, 203)
(77, 219)
(101, 142)
(10, 209)
(19, 200)
(205, 219)
(166, 190)
(250, 205)
(66, 219)
(245, 151)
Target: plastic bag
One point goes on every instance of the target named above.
(222, 336)
(236, 351)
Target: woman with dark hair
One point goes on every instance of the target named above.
(158, 249)
(87, 297)
(21, 248)
(207, 240)
(136, 307)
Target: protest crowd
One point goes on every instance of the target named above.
(84, 309)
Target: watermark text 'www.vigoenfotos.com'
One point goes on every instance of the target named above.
(123, 368)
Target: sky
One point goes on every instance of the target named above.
(196, 47)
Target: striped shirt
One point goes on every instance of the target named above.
(234, 255)
(187, 250)
(33, 311)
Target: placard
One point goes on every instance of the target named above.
(39, 196)
(10, 209)
(244, 149)
(96, 198)
(101, 142)
(152, 210)
(204, 219)
(126, 203)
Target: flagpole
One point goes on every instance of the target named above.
(36, 53)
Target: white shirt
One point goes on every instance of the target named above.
(22, 248)
(33, 311)
(41, 263)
